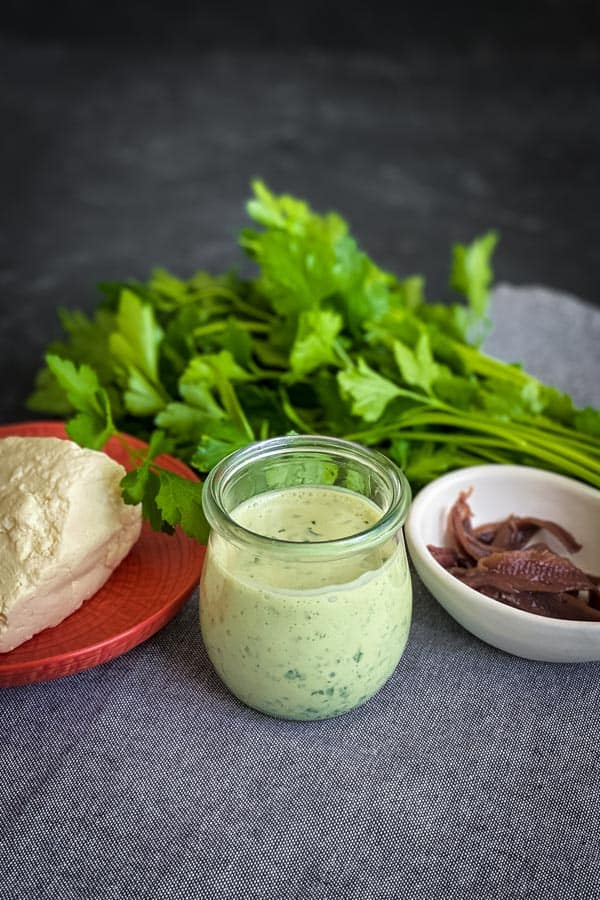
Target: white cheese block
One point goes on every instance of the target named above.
(64, 528)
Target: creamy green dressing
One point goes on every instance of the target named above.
(305, 639)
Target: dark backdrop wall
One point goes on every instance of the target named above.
(387, 27)
(132, 130)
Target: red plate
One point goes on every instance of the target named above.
(143, 593)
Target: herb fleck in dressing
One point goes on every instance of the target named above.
(305, 640)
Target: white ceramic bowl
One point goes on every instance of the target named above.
(499, 491)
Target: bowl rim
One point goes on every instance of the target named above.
(416, 544)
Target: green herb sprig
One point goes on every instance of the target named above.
(322, 340)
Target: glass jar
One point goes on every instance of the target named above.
(305, 596)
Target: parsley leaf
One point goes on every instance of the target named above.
(93, 424)
(369, 392)
(471, 272)
(471, 275)
(135, 346)
(180, 503)
(167, 498)
(315, 341)
(135, 482)
(417, 366)
(223, 439)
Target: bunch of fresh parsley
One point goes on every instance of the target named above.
(321, 341)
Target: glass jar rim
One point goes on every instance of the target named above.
(375, 535)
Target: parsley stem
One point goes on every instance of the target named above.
(515, 438)
(251, 310)
(216, 327)
(576, 437)
(292, 414)
(476, 441)
(135, 456)
(345, 357)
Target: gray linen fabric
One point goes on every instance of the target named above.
(555, 336)
(473, 774)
